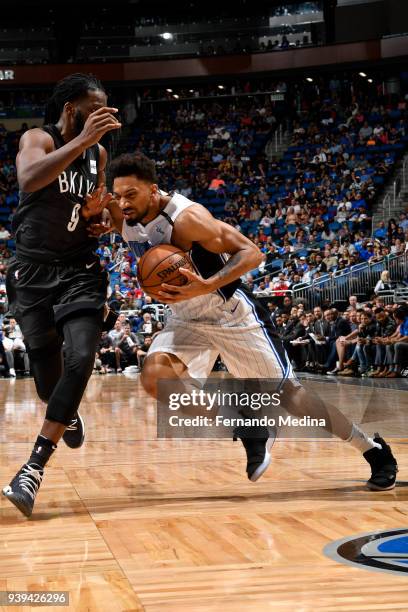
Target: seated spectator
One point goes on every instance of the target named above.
(147, 306)
(353, 303)
(13, 342)
(117, 332)
(106, 353)
(319, 332)
(345, 346)
(126, 348)
(148, 324)
(280, 285)
(143, 350)
(159, 328)
(384, 284)
(6, 357)
(361, 359)
(301, 346)
(293, 330)
(397, 345)
(286, 305)
(4, 233)
(385, 328)
(338, 327)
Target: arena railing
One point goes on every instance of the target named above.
(405, 173)
(359, 279)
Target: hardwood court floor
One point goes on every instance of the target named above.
(129, 522)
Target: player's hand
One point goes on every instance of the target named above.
(197, 285)
(95, 202)
(95, 230)
(97, 124)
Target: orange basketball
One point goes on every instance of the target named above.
(161, 264)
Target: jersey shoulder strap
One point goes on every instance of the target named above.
(176, 205)
(55, 134)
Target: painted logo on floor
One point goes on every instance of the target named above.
(378, 551)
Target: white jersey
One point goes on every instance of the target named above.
(212, 308)
(228, 322)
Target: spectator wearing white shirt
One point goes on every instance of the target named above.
(266, 220)
(4, 233)
(13, 343)
(384, 284)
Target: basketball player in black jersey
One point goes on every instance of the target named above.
(56, 286)
(204, 323)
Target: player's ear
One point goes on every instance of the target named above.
(69, 109)
(155, 191)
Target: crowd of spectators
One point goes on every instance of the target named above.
(126, 345)
(367, 340)
(308, 211)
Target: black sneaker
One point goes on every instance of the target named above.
(74, 434)
(257, 443)
(384, 467)
(24, 487)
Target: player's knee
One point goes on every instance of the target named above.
(79, 362)
(148, 378)
(159, 366)
(152, 370)
(43, 391)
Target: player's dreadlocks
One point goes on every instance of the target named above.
(69, 89)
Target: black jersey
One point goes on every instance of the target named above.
(47, 224)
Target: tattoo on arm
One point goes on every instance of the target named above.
(232, 264)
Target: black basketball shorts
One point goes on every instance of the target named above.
(41, 295)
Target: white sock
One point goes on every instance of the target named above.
(358, 439)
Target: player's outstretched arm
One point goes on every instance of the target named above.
(196, 224)
(39, 163)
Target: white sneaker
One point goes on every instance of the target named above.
(334, 372)
(132, 369)
(12, 372)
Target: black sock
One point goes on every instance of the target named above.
(42, 451)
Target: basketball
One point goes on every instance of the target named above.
(161, 264)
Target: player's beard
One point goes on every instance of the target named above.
(79, 122)
(132, 222)
(135, 220)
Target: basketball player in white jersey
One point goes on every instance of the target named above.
(215, 315)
